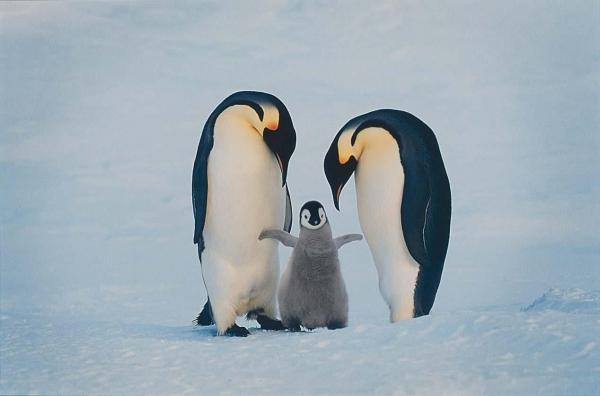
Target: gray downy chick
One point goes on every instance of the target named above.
(312, 292)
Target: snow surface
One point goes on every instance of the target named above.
(101, 109)
(547, 349)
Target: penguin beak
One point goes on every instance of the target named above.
(337, 174)
(282, 143)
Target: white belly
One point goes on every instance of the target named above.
(379, 185)
(244, 197)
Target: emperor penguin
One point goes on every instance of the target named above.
(403, 199)
(238, 189)
(312, 292)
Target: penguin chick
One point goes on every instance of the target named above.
(312, 292)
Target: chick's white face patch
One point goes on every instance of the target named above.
(322, 215)
(313, 222)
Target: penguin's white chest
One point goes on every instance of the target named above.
(245, 196)
(379, 187)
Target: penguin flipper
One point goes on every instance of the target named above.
(282, 236)
(426, 227)
(287, 224)
(344, 239)
(200, 181)
(415, 202)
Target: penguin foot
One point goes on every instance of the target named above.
(293, 325)
(336, 324)
(237, 331)
(267, 323)
(205, 317)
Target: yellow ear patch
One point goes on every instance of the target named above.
(271, 116)
(344, 157)
(345, 149)
(272, 125)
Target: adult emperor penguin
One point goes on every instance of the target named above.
(238, 189)
(403, 199)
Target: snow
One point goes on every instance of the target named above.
(101, 108)
(572, 300)
(547, 349)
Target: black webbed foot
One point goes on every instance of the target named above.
(293, 325)
(336, 324)
(205, 317)
(237, 331)
(267, 323)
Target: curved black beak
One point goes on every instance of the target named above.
(337, 174)
(282, 143)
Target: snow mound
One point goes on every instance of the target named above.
(567, 300)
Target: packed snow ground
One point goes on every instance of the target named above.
(550, 347)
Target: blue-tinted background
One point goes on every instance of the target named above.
(102, 106)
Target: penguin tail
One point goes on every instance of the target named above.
(205, 317)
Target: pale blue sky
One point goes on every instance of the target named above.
(102, 105)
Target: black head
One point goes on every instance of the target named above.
(281, 139)
(312, 215)
(338, 173)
